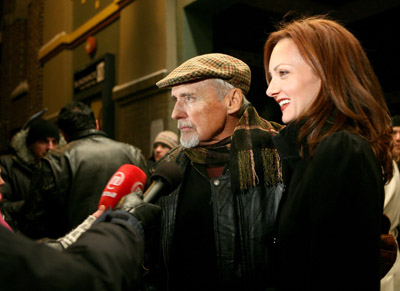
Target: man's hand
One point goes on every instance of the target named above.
(148, 214)
(99, 211)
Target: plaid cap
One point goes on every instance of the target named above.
(208, 66)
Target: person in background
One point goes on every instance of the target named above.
(217, 227)
(70, 180)
(108, 256)
(396, 138)
(334, 153)
(392, 209)
(30, 144)
(163, 143)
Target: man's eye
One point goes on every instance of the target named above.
(190, 98)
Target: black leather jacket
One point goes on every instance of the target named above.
(71, 180)
(243, 229)
(17, 176)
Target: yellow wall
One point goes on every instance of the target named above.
(107, 41)
(57, 72)
(57, 82)
(57, 18)
(142, 40)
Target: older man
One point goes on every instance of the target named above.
(217, 230)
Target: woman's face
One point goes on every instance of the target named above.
(293, 85)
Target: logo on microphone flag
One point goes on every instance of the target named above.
(127, 179)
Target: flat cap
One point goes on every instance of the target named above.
(208, 66)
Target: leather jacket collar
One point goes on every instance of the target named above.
(86, 133)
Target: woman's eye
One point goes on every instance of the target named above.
(283, 73)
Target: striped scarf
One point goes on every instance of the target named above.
(253, 159)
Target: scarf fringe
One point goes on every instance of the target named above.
(247, 170)
(272, 166)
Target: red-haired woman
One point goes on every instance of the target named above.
(335, 154)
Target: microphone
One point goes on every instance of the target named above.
(127, 179)
(166, 178)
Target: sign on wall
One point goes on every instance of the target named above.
(89, 76)
(93, 85)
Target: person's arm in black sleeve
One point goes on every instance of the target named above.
(42, 213)
(108, 256)
(9, 205)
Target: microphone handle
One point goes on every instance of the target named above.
(153, 192)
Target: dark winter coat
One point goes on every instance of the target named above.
(107, 257)
(329, 219)
(17, 170)
(242, 232)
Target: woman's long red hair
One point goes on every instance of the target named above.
(350, 91)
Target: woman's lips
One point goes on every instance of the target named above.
(284, 103)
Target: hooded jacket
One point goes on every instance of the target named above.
(17, 170)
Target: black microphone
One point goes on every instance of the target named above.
(165, 179)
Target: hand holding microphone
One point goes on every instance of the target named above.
(166, 178)
(122, 193)
(127, 179)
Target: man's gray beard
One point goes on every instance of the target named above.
(190, 142)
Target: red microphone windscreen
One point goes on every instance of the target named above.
(127, 179)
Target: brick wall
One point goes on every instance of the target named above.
(22, 28)
(133, 119)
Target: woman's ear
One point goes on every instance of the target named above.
(234, 101)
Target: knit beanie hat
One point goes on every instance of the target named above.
(41, 129)
(168, 138)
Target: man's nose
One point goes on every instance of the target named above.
(178, 111)
(50, 145)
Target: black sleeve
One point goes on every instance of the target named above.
(5, 165)
(345, 185)
(10, 203)
(107, 257)
(42, 214)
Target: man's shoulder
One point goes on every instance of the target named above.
(13, 162)
(98, 138)
(6, 159)
(174, 155)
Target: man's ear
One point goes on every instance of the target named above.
(234, 101)
(66, 136)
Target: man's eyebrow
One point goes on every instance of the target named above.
(184, 94)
